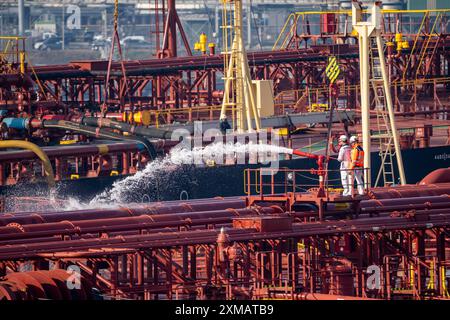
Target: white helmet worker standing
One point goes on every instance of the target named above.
(357, 164)
(344, 158)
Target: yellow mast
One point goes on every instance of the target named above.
(238, 92)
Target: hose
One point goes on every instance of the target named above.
(98, 132)
(126, 127)
(38, 151)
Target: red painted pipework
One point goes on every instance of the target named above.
(92, 214)
(407, 207)
(16, 231)
(173, 206)
(414, 186)
(53, 117)
(437, 176)
(315, 296)
(120, 241)
(73, 150)
(409, 191)
(375, 203)
(320, 161)
(210, 236)
(42, 284)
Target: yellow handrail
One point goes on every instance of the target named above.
(283, 29)
(297, 14)
(349, 12)
(415, 43)
(257, 178)
(425, 47)
(281, 96)
(245, 182)
(12, 38)
(323, 89)
(5, 51)
(38, 151)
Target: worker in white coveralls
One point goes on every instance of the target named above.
(344, 158)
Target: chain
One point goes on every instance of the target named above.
(116, 14)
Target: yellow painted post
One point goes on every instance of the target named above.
(411, 276)
(431, 282)
(22, 62)
(444, 283)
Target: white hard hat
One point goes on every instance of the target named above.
(343, 138)
(353, 139)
